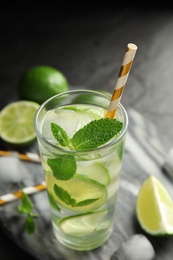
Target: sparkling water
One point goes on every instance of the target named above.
(81, 227)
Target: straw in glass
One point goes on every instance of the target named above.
(121, 80)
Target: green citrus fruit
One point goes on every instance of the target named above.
(154, 208)
(97, 172)
(17, 122)
(80, 188)
(83, 224)
(40, 83)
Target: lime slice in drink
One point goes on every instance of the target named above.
(154, 208)
(17, 122)
(83, 224)
(86, 192)
(87, 113)
(96, 171)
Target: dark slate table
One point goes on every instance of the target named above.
(88, 48)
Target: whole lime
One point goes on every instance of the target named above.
(40, 83)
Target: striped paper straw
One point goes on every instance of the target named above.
(9, 197)
(32, 157)
(121, 80)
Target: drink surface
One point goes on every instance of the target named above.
(82, 206)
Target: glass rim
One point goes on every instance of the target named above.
(63, 150)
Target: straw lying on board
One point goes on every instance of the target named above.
(121, 80)
(4, 199)
(32, 157)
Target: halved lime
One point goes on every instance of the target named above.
(154, 208)
(17, 122)
(95, 171)
(79, 189)
(83, 224)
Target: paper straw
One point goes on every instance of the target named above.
(121, 80)
(32, 157)
(9, 197)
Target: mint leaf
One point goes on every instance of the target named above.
(96, 133)
(85, 202)
(52, 202)
(66, 198)
(30, 224)
(59, 134)
(63, 167)
(64, 195)
(26, 208)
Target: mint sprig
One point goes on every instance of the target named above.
(26, 208)
(92, 135)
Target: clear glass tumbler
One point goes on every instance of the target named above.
(82, 185)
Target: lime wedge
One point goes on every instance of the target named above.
(79, 189)
(17, 122)
(97, 172)
(83, 224)
(154, 208)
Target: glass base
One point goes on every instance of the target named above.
(83, 243)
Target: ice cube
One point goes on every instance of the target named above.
(135, 248)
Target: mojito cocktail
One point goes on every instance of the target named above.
(81, 154)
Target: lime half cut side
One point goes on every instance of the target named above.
(79, 189)
(83, 224)
(17, 122)
(154, 208)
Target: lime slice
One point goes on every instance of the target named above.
(91, 112)
(80, 189)
(83, 224)
(154, 208)
(96, 171)
(17, 122)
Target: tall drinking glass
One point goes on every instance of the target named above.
(82, 185)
